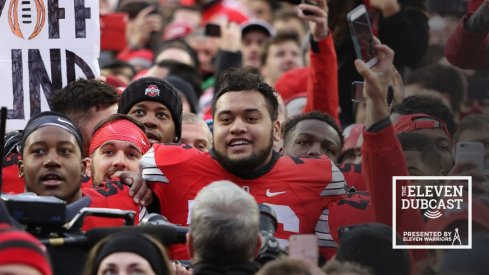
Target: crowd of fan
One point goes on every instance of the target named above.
(201, 126)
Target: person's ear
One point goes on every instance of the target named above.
(190, 247)
(276, 130)
(87, 167)
(20, 166)
(258, 246)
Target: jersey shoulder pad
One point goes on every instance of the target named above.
(170, 154)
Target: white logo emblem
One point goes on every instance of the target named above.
(63, 121)
(152, 91)
(273, 194)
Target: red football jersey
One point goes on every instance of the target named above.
(298, 189)
(112, 194)
(353, 176)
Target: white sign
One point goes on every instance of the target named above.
(439, 199)
(44, 45)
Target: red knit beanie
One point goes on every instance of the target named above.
(19, 247)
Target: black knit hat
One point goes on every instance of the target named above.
(153, 89)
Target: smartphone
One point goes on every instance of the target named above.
(212, 30)
(473, 151)
(362, 36)
(133, 8)
(309, 2)
(304, 247)
(357, 91)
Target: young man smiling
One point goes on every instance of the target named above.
(245, 127)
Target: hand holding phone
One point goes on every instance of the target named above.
(309, 2)
(362, 36)
(357, 91)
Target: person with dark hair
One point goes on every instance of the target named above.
(128, 253)
(425, 105)
(86, 103)
(312, 134)
(371, 246)
(428, 116)
(51, 162)
(437, 79)
(157, 104)
(245, 127)
(273, 64)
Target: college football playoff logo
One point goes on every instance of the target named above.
(28, 17)
(152, 91)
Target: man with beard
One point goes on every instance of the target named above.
(299, 190)
(157, 104)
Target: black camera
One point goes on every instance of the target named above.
(270, 247)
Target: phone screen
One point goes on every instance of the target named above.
(470, 151)
(309, 2)
(361, 33)
(357, 91)
(212, 30)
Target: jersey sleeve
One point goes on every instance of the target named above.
(12, 183)
(333, 192)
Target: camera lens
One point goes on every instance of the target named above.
(268, 219)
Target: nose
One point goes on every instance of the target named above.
(52, 161)
(149, 122)
(314, 150)
(238, 127)
(119, 161)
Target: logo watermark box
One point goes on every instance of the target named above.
(438, 198)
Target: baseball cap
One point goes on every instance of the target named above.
(257, 24)
(177, 30)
